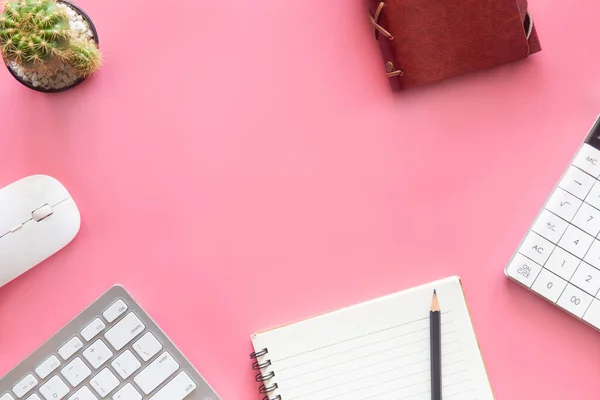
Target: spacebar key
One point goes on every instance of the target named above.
(178, 389)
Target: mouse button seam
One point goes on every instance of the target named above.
(60, 202)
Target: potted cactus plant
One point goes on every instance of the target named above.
(48, 45)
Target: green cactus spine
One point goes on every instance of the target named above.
(34, 33)
(84, 57)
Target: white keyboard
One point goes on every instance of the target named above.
(112, 350)
(559, 258)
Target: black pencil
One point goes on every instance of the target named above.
(435, 349)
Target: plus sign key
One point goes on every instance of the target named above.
(550, 226)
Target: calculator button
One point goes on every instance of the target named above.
(562, 263)
(54, 389)
(563, 204)
(587, 219)
(46, 367)
(523, 270)
(574, 300)
(577, 182)
(576, 241)
(588, 159)
(549, 285)
(550, 226)
(593, 255)
(536, 247)
(593, 197)
(587, 278)
(592, 315)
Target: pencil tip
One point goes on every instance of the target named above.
(434, 291)
(435, 306)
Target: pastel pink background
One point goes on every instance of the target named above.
(269, 174)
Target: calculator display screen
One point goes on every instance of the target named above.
(593, 138)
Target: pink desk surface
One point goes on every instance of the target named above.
(269, 175)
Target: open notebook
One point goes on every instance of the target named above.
(377, 350)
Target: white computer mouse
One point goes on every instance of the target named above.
(38, 218)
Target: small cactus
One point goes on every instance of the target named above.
(36, 35)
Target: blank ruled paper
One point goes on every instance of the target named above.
(378, 350)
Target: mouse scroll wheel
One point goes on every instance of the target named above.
(41, 213)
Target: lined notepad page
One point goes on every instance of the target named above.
(378, 350)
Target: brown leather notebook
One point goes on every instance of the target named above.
(425, 41)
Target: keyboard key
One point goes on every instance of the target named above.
(178, 389)
(94, 328)
(54, 389)
(577, 182)
(576, 241)
(587, 219)
(587, 278)
(562, 263)
(574, 300)
(126, 364)
(7, 397)
(127, 392)
(550, 226)
(97, 354)
(592, 315)
(83, 394)
(124, 331)
(25, 385)
(115, 311)
(76, 372)
(34, 397)
(523, 270)
(563, 204)
(156, 373)
(70, 348)
(47, 367)
(549, 285)
(588, 159)
(536, 248)
(104, 383)
(147, 347)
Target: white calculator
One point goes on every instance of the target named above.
(559, 257)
